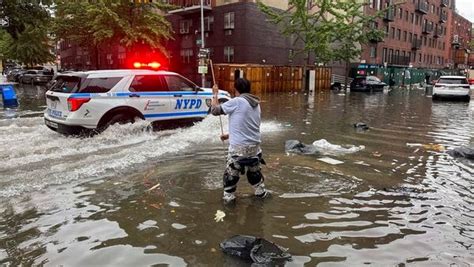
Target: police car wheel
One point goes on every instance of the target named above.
(117, 118)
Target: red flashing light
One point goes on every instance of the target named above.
(74, 104)
(153, 65)
(137, 65)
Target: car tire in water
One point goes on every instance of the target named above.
(120, 117)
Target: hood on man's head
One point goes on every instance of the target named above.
(253, 100)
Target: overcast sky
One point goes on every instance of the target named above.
(466, 9)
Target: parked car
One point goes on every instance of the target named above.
(35, 76)
(367, 84)
(452, 87)
(88, 102)
(14, 75)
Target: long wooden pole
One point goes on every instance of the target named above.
(214, 81)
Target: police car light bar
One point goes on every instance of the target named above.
(153, 65)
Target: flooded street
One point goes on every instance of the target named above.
(134, 197)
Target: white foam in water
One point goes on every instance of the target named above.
(33, 157)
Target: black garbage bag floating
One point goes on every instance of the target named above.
(255, 249)
(361, 126)
(462, 152)
(295, 146)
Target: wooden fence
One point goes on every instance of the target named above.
(269, 79)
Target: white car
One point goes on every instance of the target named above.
(452, 87)
(83, 102)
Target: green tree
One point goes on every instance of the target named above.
(308, 23)
(26, 38)
(32, 46)
(353, 29)
(101, 24)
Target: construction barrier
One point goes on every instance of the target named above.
(269, 79)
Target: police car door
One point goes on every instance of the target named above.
(149, 95)
(186, 99)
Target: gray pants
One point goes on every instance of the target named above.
(239, 165)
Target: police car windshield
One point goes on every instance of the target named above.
(77, 84)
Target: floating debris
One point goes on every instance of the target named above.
(434, 147)
(331, 161)
(321, 146)
(361, 126)
(255, 249)
(153, 187)
(178, 226)
(219, 217)
(173, 204)
(462, 152)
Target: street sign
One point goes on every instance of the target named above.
(198, 42)
(202, 69)
(4, 22)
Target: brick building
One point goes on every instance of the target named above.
(417, 33)
(461, 34)
(236, 31)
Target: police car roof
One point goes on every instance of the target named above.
(119, 72)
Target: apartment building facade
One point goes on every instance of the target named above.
(235, 32)
(418, 33)
(461, 34)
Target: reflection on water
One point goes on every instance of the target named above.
(81, 202)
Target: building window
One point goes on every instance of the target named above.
(386, 31)
(208, 23)
(412, 18)
(373, 52)
(229, 20)
(398, 34)
(372, 3)
(405, 36)
(186, 55)
(417, 19)
(392, 33)
(400, 13)
(229, 54)
(410, 37)
(184, 26)
(419, 58)
(406, 15)
(121, 57)
(384, 55)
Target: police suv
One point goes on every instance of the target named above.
(84, 102)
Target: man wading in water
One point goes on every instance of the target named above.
(244, 139)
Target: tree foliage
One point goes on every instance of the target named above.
(353, 28)
(104, 23)
(307, 21)
(26, 37)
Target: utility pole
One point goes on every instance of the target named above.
(203, 75)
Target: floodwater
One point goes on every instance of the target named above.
(133, 197)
